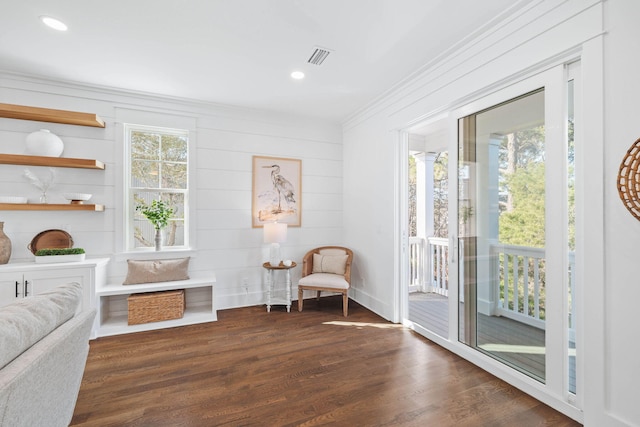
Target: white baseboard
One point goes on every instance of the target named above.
(486, 307)
(244, 299)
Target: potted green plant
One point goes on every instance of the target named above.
(158, 214)
(60, 255)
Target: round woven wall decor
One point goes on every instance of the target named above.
(629, 179)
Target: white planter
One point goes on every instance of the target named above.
(49, 259)
(44, 143)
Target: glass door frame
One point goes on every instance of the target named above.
(402, 237)
(554, 80)
(590, 248)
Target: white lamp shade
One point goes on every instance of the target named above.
(275, 232)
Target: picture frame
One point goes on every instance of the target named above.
(277, 191)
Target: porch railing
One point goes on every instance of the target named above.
(429, 259)
(416, 264)
(438, 253)
(521, 291)
(520, 273)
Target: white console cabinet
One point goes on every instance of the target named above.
(22, 280)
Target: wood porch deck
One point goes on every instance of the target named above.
(495, 333)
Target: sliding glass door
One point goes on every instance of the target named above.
(514, 211)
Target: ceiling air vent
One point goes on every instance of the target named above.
(319, 55)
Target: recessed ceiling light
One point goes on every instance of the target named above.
(297, 75)
(53, 23)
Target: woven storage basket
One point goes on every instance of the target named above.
(155, 306)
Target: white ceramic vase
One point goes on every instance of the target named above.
(158, 240)
(44, 143)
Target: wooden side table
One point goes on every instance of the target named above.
(271, 300)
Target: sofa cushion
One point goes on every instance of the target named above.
(156, 270)
(335, 264)
(324, 280)
(25, 322)
(40, 387)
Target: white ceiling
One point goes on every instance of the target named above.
(241, 52)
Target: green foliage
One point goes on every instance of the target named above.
(64, 251)
(158, 213)
(524, 224)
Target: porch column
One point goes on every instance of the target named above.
(424, 194)
(488, 217)
(425, 206)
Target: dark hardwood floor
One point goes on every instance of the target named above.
(253, 368)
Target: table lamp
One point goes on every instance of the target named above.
(275, 233)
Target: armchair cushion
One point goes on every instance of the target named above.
(332, 251)
(324, 280)
(335, 264)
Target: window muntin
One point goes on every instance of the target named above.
(157, 169)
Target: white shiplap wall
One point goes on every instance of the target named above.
(226, 139)
(546, 32)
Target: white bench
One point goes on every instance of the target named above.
(111, 303)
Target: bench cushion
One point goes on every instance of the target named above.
(158, 270)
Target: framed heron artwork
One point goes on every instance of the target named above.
(277, 191)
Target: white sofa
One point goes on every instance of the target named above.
(44, 344)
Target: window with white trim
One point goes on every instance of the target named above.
(157, 170)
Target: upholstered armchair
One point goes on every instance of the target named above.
(328, 269)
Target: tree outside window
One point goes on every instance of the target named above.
(158, 170)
